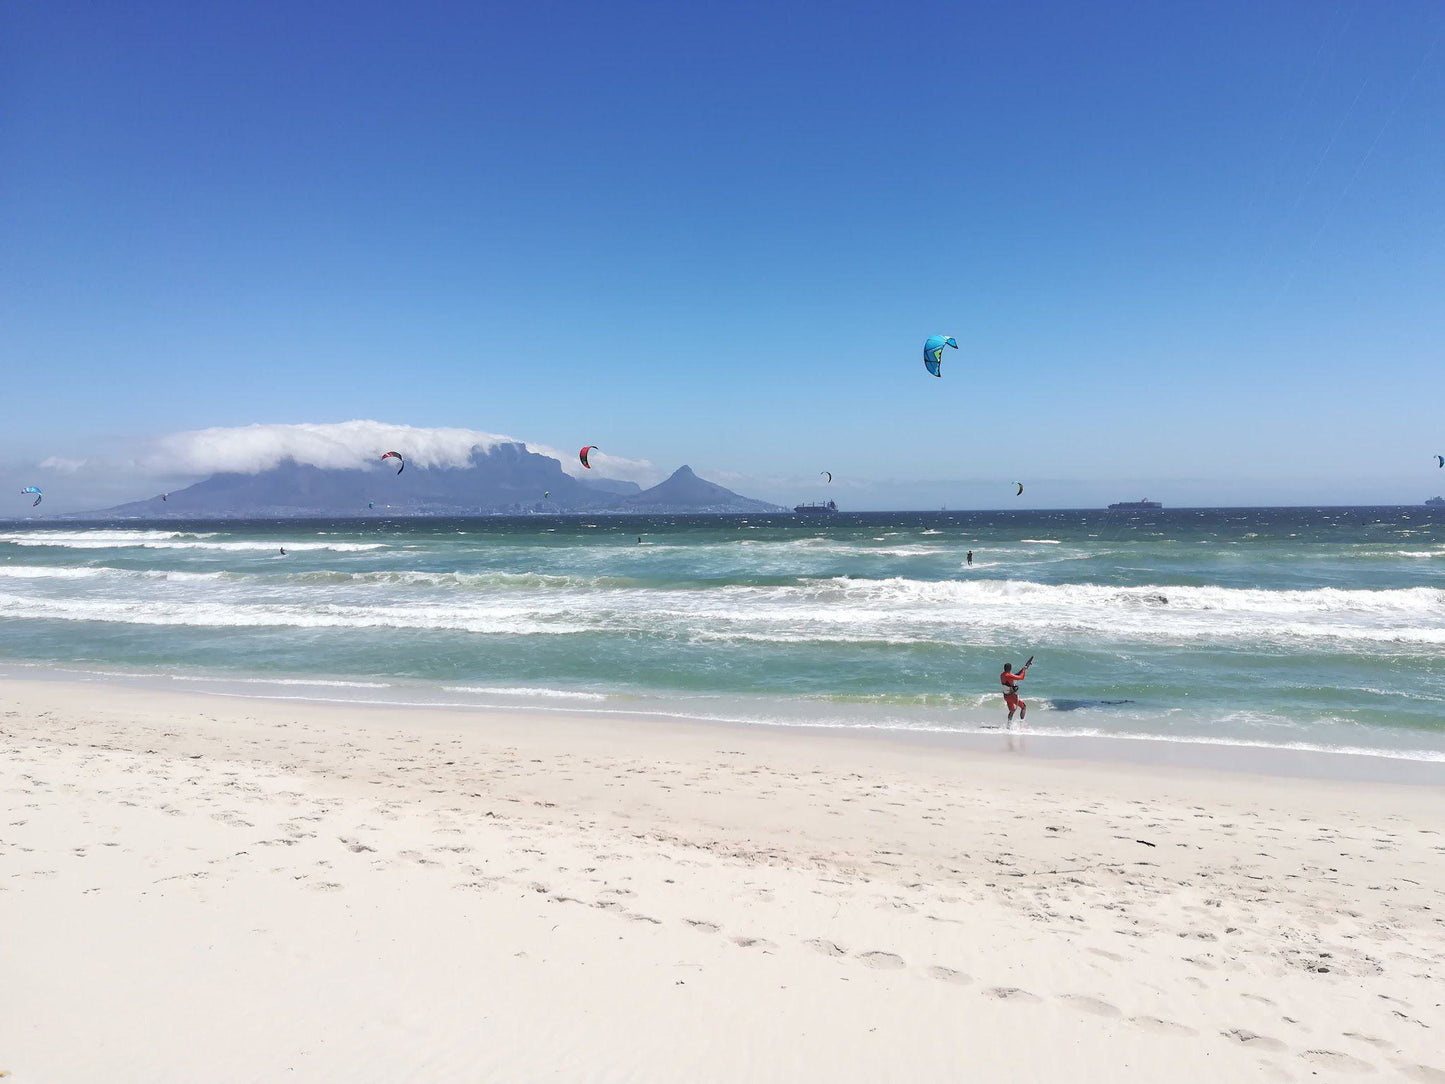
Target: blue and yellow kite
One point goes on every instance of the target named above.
(933, 352)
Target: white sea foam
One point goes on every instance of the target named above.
(101, 572)
(1428, 755)
(524, 691)
(161, 540)
(496, 620)
(62, 538)
(441, 580)
(840, 610)
(46, 572)
(304, 682)
(903, 551)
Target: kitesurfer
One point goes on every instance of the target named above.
(1010, 682)
(283, 551)
(970, 558)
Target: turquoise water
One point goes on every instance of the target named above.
(1293, 627)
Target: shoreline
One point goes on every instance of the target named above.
(223, 888)
(1187, 752)
(101, 517)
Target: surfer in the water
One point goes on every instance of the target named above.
(970, 558)
(1010, 682)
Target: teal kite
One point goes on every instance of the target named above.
(933, 352)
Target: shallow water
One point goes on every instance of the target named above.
(1310, 628)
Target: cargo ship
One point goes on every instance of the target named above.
(828, 509)
(1135, 506)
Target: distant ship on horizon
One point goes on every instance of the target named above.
(1134, 506)
(828, 509)
(1435, 502)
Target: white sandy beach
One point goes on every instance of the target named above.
(205, 888)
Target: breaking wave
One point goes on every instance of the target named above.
(839, 609)
(169, 540)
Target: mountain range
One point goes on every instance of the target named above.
(506, 478)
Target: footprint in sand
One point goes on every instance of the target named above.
(754, 942)
(478, 886)
(881, 959)
(1372, 1040)
(1090, 1004)
(1164, 1027)
(1250, 1039)
(703, 924)
(1010, 993)
(1333, 1059)
(827, 948)
(948, 974)
(1423, 1073)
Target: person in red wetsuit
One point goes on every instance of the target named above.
(1010, 682)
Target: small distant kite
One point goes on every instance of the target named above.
(400, 462)
(586, 450)
(933, 352)
(1020, 493)
(1440, 459)
(39, 496)
(546, 494)
(829, 475)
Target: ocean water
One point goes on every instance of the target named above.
(1299, 628)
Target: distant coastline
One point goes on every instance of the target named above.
(774, 511)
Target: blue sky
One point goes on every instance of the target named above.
(1193, 248)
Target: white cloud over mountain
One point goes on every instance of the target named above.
(247, 449)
